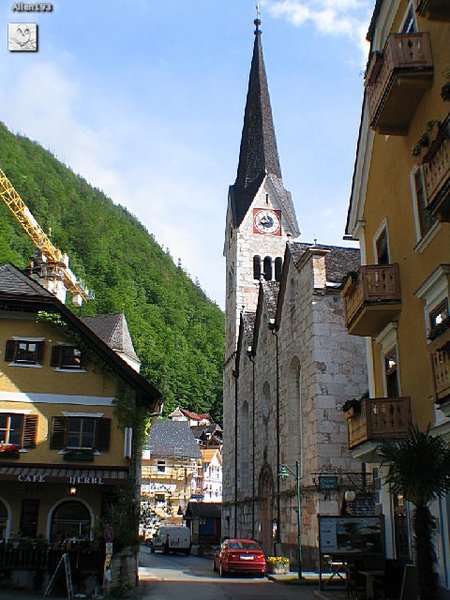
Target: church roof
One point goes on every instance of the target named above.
(258, 156)
(338, 262)
(113, 330)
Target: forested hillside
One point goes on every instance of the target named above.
(177, 331)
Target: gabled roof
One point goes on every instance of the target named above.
(169, 438)
(209, 453)
(21, 293)
(211, 510)
(113, 330)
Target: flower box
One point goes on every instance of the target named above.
(8, 451)
(79, 455)
(277, 565)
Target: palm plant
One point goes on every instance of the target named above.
(419, 468)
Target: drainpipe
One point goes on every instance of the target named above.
(235, 375)
(251, 355)
(274, 330)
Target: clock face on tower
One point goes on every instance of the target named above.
(267, 221)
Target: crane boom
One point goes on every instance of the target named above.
(38, 236)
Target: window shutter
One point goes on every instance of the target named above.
(10, 350)
(29, 431)
(103, 435)
(58, 437)
(40, 352)
(55, 359)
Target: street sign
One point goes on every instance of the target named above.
(328, 483)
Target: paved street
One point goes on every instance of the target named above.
(191, 578)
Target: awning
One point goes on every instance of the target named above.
(68, 476)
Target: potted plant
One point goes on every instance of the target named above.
(79, 454)
(9, 450)
(439, 335)
(425, 139)
(351, 408)
(278, 565)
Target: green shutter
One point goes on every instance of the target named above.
(29, 431)
(58, 434)
(10, 350)
(103, 435)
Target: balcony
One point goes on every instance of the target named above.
(380, 418)
(436, 173)
(438, 10)
(372, 299)
(396, 80)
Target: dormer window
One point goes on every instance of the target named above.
(65, 356)
(27, 352)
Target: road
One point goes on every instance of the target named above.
(177, 577)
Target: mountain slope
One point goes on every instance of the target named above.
(177, 331)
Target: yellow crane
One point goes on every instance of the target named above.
(55, 264)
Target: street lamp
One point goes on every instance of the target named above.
(284, 472)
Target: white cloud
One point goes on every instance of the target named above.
(347, 18)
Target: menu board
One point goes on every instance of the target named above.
(350, 535)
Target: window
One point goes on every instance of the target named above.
(409, 23)
(67, 357)
(268, 268)
(24, 352)
(278, 268)
(70, 520)
(391, 371)
(18, 430)
(425, 220)
(439, 314)
(382, 249)
(80, 432)
(161, 466)
(257, 267)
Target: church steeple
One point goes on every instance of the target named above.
(258, 154)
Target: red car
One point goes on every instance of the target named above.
(240, 556)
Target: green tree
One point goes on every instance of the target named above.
(419, 468)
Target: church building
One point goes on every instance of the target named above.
(290, 364)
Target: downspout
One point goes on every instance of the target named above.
(251, 357)
(235, 375)
(274, 330)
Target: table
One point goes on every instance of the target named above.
(371, 576)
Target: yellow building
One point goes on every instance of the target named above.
(63, 454)
(400, 212)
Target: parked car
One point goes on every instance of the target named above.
(172, 539)
(240, 556)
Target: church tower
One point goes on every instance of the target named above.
(260, 216)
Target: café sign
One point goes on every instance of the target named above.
(80, 479)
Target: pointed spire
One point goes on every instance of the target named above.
(258, 154)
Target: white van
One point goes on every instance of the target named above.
(172, 539)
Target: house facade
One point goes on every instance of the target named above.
(212, 475)
(64, 452)
(289, 363)
(398, 302)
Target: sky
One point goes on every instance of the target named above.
(145, 99)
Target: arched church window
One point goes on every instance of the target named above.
(294, 433)
(278, 268)
(244, 447)
(268, 268)
(70, 520)
(257, 267)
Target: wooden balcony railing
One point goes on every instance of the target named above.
(438, 10)
(436, 172)
(376, 286)
(380, 418)
(441, 371)
(396, 81)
